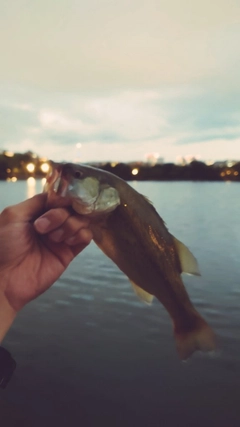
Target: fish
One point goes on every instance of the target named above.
(129, 230)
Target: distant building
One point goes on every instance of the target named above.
(153, 159)
(186, 160)
(180, 160)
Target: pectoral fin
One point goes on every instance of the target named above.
(187, 260)
(143, 295)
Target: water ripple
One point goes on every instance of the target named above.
(85, 297)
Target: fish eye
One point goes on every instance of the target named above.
(78, 174)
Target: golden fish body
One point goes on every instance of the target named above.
(129, 230)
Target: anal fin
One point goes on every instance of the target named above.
(187, 259)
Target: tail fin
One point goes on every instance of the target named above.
(201, 337)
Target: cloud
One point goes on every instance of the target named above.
(13, 122)
(22, 107)
(123, 125)
(60, 122)
(126, 116)
(123, 81)
(71, 45)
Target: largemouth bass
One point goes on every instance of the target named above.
(128, 229)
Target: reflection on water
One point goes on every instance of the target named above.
(89, 353)
(31, 187)
(34, 186)
(14, 191)
(13, 179)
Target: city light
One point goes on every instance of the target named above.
(209, 162)
(45, 167)
(8, 154)
(30, 167)
(135, 171)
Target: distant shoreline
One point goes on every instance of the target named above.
(195, 171)
(18, 166)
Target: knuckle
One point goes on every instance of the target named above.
(8, 213)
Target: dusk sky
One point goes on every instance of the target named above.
(121, 78)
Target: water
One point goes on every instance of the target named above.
(90, 354)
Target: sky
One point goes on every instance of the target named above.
(116, 80)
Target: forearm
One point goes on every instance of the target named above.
(7, 316)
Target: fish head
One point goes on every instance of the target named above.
(88, 190)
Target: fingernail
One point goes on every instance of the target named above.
(42, 224)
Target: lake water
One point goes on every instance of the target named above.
(89, 353)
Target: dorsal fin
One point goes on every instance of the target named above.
(143, 295)
(147, 199)
(187, 260)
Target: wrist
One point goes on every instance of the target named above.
(7, 316)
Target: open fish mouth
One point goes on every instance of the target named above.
(56, 187)
(86, 194)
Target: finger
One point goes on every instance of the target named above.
(83, 236)
(69, 228)
(51, 220)
(65, 252)
(76, 249)
(55, 219)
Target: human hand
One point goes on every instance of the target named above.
(35, 248)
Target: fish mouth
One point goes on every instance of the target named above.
(67, 186)
(57, 187)
(60, 186)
